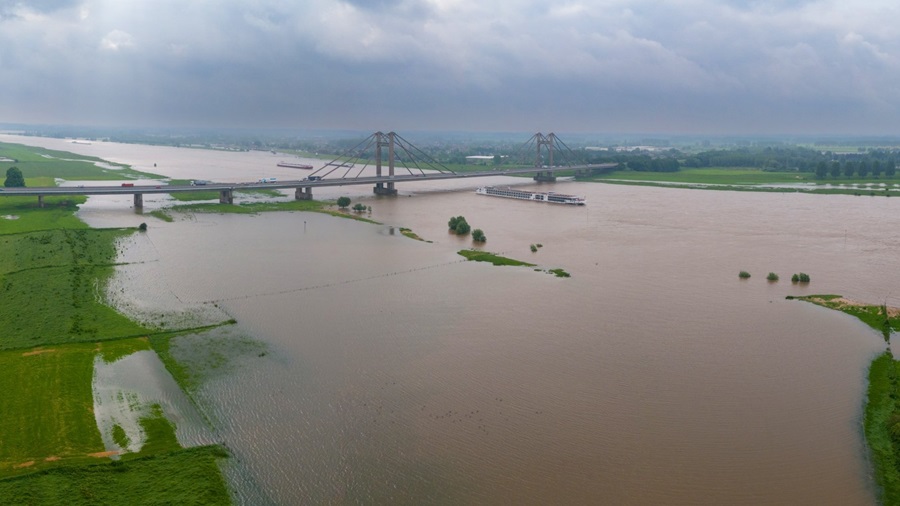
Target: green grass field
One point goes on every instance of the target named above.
(881, 426)
(182, 477)
(34, 161)
(748, 179)
(50, 423)
(52, 285)
(52, 274)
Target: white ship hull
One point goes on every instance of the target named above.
(512, 193)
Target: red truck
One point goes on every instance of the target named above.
(127, 184)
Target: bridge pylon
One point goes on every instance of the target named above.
(541, 140)
(384, 140)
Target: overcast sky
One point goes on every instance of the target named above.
(686, 66)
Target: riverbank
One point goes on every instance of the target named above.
(753, 180)
(881, 421)
(58, 333)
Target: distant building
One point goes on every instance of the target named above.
(481, 159)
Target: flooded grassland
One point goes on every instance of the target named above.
(370, 367)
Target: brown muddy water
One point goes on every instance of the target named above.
(367, 367)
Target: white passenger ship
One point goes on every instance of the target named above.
(511, 193)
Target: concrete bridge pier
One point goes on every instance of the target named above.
(40, 201)
(303, 193)
(381, 189)
(226, 197)
(138, 200)
(542, 177)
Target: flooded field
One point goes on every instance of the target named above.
(369, 367)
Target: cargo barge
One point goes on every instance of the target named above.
(292, 165)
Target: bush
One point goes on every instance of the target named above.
(142, 227)
(800, 278)
(459, 225)
(533, 248)
(772, 276)
(360, 208)
(744, 275)
(343, 202)
(478, 235)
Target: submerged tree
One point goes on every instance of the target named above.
(459, 225)
(478, 235)
(343, 202)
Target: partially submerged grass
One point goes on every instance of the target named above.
(880, 318)
(34, 161)
(53, 325)
(412, 235)
(204, 194)
(51, 423)
(559, 273)
(194, 357)
(316, 206)
(484, 256)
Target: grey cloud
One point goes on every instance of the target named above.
(591, 65)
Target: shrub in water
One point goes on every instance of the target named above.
(772, 276)
(744, 275)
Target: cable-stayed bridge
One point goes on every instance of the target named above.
(382, 160)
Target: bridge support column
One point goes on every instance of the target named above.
(138, 200)
(542, 177)
(303, 193)
(40, 201)
(226, 197)
(384, 189)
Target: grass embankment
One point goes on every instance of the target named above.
(882, 413)
(202, 194)
(52, 275)
(882, 425)
(881, 318)
(748, 179)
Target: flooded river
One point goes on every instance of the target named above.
(385, 370)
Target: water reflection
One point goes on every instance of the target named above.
(130, 389)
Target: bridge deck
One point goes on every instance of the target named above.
(287, 184)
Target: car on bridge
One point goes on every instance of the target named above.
(313, 178)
